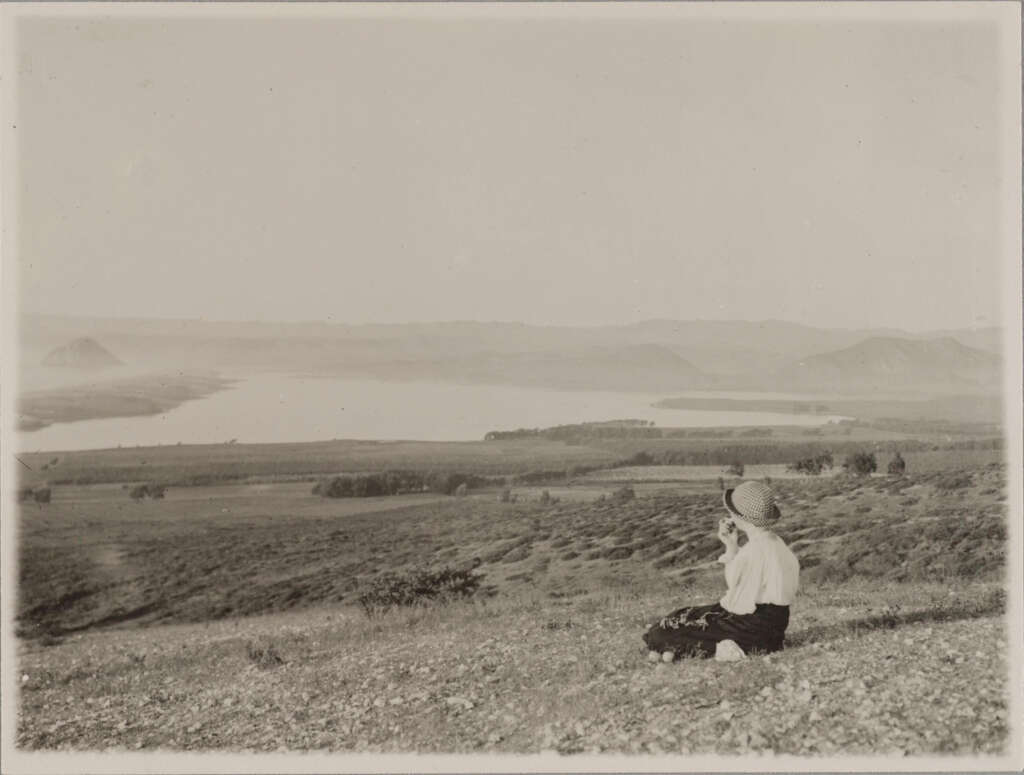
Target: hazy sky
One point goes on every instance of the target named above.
(548, 170)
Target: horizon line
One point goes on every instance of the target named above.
(469, 321)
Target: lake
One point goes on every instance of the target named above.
(293, 409)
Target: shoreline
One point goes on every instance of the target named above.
(138, 396)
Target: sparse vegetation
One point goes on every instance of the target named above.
(608, 563)
(150, 490)
(417, 588)
(860, 463)
(812, 466)
(400, 483)
(263, 654)
(952, 482)
(897, 465)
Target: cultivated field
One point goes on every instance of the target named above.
(227, 617)
(216, 463)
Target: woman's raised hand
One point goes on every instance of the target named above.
(727, 533)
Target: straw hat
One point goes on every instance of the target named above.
(753, 502)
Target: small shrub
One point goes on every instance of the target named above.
(897, 466)
(812, 466)
(416, 588)
(41, 495)
(545, 498)
(263, 655)
(554, 624)
(860, 463)
(140, 491)
(506, 496)
(25, 494)
(461, 490)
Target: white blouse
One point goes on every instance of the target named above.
(765, 570)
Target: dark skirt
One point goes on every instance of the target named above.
(697, 630)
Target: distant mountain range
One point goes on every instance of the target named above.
(653, 356)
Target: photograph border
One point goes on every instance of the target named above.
(1007, 14)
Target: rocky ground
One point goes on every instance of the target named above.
(869, 668)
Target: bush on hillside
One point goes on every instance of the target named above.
(417, 588)
(25, 494)
(140, 491)
(860, 463)
(41, 495)
(897, 466)
(812, 466)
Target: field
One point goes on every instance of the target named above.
(227, 617)
(216, 463)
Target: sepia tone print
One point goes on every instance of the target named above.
(506, 380)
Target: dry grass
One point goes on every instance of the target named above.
(526, 673)
(95, 557)
(141, 631)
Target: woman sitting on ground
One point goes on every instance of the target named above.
(762, 577)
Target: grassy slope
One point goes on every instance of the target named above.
(896, 644)
(523, 674)
(94, 556)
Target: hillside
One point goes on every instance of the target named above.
(139, 639)
(203, 553)
(82, 353)
(888, 363)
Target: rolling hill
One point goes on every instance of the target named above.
(886, 363)
(81, 353)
